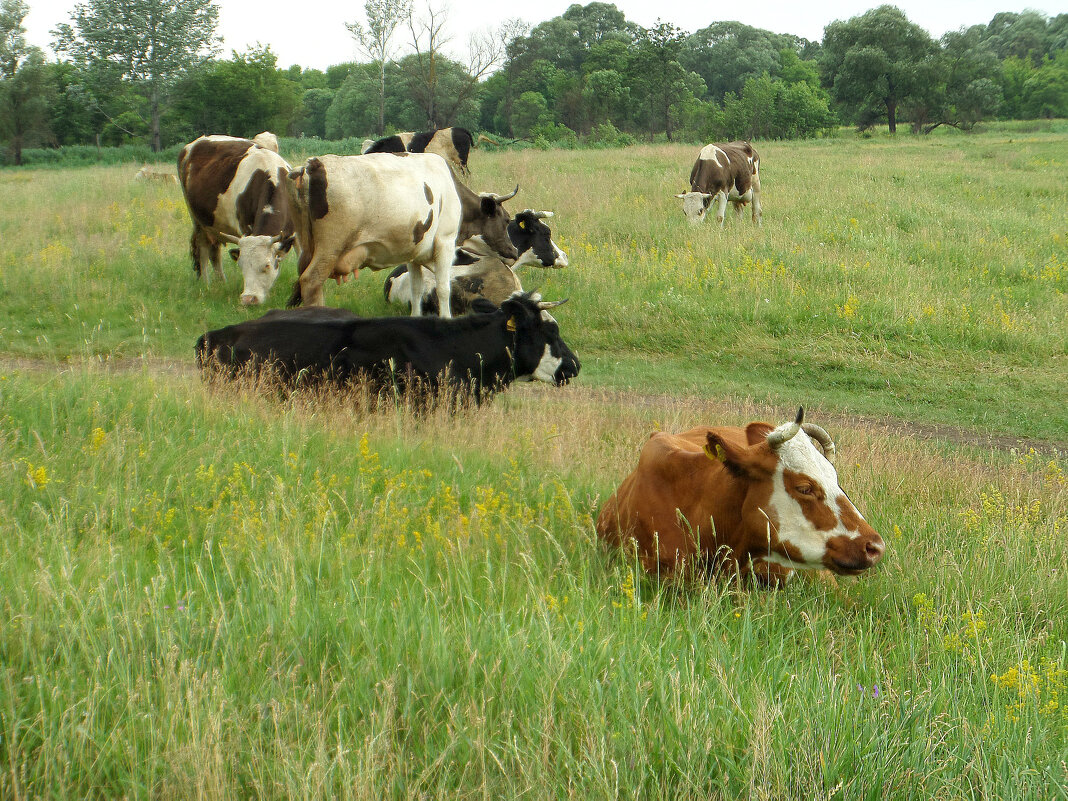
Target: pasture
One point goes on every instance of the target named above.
(215, 594)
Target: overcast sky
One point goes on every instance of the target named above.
(313, 33)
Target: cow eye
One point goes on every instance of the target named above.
(804, 489)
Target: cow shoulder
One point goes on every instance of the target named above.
(207, 171)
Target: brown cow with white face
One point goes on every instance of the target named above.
(233, 188)
(758, 500)
(723, 173)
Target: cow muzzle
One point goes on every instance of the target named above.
(851, 556)
(250, 300)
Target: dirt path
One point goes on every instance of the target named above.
(179, 368)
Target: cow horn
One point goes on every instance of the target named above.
(548, 304)
(541, 215)
(502, 198)
(776, 439)
(822, 437)
(233, 240)
(278, 237)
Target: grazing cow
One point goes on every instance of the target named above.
(266, 139)
(147, 174)
(452, 144)
(485, 275)
(482, 352)
(758, 500)
(233, 188)
(379, 211)
(723, 173)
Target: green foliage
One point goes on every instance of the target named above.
(606, 135)
(772, 109)
(528, 111)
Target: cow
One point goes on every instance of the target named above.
(479, 274)
(726, 172)
(382, 210)
(234, 190)
(148, 174)
(266, 139)
(452, 144)
(481, 353)
(758, 501)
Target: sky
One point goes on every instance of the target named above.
(313, 33)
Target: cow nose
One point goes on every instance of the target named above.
(873, 550)
(249, 300)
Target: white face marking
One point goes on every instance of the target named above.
(693, 205)
(549, 364)
(259, 263)
(800, 455)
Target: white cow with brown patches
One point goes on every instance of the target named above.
(759, 501)
(723, 173)
(380, 210)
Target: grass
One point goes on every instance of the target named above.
(209, 593)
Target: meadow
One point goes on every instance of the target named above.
(213, 593)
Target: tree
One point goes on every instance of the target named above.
(875, 58)
(383, 18)
(659, 77)
(23, 87)
(149, 43)
(727, 54)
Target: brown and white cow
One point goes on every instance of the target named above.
(758, 500)
(722, 173)
(381, 210)
(266, 139)
(452, 144)
(234, 190)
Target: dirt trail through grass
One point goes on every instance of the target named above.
(703, 408)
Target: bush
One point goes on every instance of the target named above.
(772, 109)
(607, 135)
(553, 134)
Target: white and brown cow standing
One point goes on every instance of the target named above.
(385, 209)
(722, 173)
(452, 144)
(234, 190)
(759, 501)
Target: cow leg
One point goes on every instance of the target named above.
(309, 286)
(415, 288)
(757, 213)
(203, 252)
(442, 267)
(721, 207)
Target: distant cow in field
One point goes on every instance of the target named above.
(452, 144)
(381, 210)
(147, 174)
(234, 191)
(485, 275)
(481, 353)
(722, 173)
(759, 501)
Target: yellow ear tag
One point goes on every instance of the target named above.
(522, 223)
(511, 324)
(719, 454)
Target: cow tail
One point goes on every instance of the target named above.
(194, 252)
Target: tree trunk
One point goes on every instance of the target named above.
(382, 100)
(16, 146)
(155, 120)
(891, 115)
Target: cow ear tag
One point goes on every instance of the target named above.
(718, 455)
(511, 324)
(523, 224)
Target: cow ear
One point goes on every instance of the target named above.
(235, 253)
(287, 243)
(738, 459)
(755, 433)
(489, 206)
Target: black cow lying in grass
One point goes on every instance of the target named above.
(480, 354)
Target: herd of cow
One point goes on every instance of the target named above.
(760, 502)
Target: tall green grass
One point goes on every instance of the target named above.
(213, 594)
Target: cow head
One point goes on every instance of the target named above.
(539, 352)
(795, 514)
(534, 241)
(259, 258)
(695, 205)
(490, 222)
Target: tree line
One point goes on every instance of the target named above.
(151, 72)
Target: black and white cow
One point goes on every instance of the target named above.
(382, 210)
(452, 144)
(233, 188)
(723, 173)
(481, 353)
(478, 274)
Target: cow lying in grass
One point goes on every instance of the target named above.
(481, 353)
(477, 272)
(759, 501)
